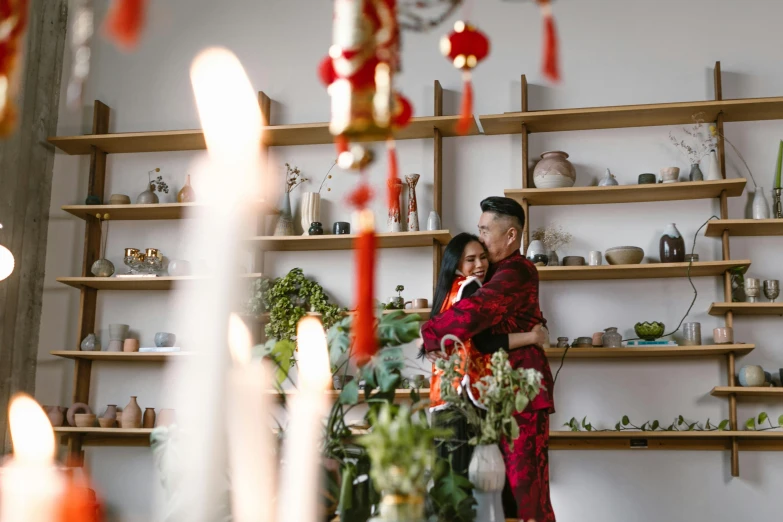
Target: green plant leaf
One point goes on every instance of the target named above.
(750, 424)
(350, 393)
(617, 426)
(780, 421)
(655, 425)
(521, 402)
(763, 417)
(626, 421)
(680, 420)
(723, 424)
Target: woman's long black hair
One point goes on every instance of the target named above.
(448, 268)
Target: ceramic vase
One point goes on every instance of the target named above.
(148, 197)
(692, 334)
(394, 222)
(110, 413)
(148, 421)
(612, 338)
(316, 229)
(90, 344)
(553, 260)
(131, 415)
(285, 221)
(760, 205)
(56, 415)
(608, 180)
(311, 210)
(413, 207)
(186, 193)
(537, 253)
(713, 167)
(554, 171)
(487, 472)
(672, 245)
(433, 221)
(695, 174)
(751, 376)
(777, 204)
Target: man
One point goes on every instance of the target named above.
(507, 303)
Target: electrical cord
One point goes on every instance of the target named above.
(693, 302)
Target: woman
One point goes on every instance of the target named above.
(463, 270)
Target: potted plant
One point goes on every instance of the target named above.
(285, 220)
(553, 237)
(396, 303)
(501, 393)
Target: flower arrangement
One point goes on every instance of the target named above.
(553, 236)
(293, 178)
(715, 133)
(698, 143)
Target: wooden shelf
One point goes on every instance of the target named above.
(423, 238)
(665, 440)
(626, 116)
(720, 309)
(651, 351)
(741, 391)
(108, 436)
(138, 212)
(120, 356)
(423, 312)
(402, 393)
(646, 271)
(745, 227)
(275, 135)
(142, 283)
(684, 190)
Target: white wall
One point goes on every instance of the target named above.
(614, 52)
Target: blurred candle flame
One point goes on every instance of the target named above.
(313, 360)
(239, 340)
(31, 431)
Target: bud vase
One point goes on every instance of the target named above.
(186, 194)
(713, 167)
(413, 208)
(394, 223)
(285, 221)
(311, 210)
(487, 472)
(760, 205)
(695, 174)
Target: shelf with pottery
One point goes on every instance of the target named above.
(136, 212)
(120, 356)
(720, 309)
(665, 440)
(747, 391)
(136, 283)
(108, 436)
(646, 271)
(627, 116)
(402, 393)
(650, 351)
(644, 193)
(745, 227)
(423, 238)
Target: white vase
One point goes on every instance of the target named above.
(535, 248)
(311, 210)
(608, 180)
(713, 167)
(487, 472)
(760, 205)
(433, 222)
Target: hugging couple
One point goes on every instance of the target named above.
(487, 296)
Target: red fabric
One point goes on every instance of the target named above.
(11, 50)
(527, 468)
(125, 22)
(507, 303)
(466, 114)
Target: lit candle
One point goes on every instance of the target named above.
(777, 168)
(30, 485)
(301, 481)
(251, 443)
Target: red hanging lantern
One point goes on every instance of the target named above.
(13, 15)
(125, 21)
(550, 64)
(466, 46)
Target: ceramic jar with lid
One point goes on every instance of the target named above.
(316, 229)
(612, 338)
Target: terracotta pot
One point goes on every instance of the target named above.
(131, 415)
(85, 420)
(77, 407)
(149, 418)
(166, 417)
(554, 171)
(107, 423)
(130, 345)
(598, 339)
(56, 415)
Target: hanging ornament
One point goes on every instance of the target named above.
(550, 63)
(13, 21)
(466, 46)
(125, 22)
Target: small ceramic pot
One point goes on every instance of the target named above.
(118, 331)
(417, 304)
(692, 334)
(647, 179)
(56, 415)
(535, 248)
(540, 260)
(77, 407)
(752, 289)
(119, 199)
(583, 342)
(598, 339)
(751, 376)
(433, 221)
(107, 423)
(396, 303)
(165, 339)
(608, 180)
(612, 338)
(85, 420)
(316, 229)
(149, 418)
(595, 258)
(573, 261)
(553, 259)
(670, 174)
(130, 345)
(110, 413)
(90, 344)
(102, 268)
(92, 199)
(341, 227)
(672, 245)
(624, 255)
(723, 335)
(115, 345)
(554, 171)
(562, 342)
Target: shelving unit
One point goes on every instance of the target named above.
(745, 227)
(666, 440)
(424, 238)
(647, 271)
(135, 283)
(651, 352)
(726, 391)
(719, 309)
(106, 436)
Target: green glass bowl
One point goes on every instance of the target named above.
(649, 331)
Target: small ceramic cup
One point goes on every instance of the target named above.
(85, 420)
(107, 423)
(119, 199)
(130, 345)
(165, 339)
(115, 345)
(670, 174)
(584, 342)
(692, 334)
(752, 289)
(598, 339)
(417, 304)
(118, 331)
(723, 335)
(341, 227)
(771, 289)
(647, 179)
(573, 261)
(596, 258)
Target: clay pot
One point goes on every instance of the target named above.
(166, 417)
(56, 415)
(554, 171)
(723, 335)
(612, 338)
(85, 420)
(107, 423)
(131, 415)
(110, 413)
(130, 345)
(598, 339)
(149, 418)
(77, 407)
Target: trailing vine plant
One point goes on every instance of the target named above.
(757, 423)
(625, 424)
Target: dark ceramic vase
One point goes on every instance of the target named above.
(672, 245)
(316, 229)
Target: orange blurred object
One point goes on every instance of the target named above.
(125, 22)
(13, 19)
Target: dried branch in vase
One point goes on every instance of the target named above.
(553, 236)
(293, 178)
(698, 143)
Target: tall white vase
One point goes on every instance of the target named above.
(713, 167)
(760, 205)
(487, 472)
(311, 210)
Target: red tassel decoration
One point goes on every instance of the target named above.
(14, 18)
(466, 113)
(550, 67)
(391, 150)
(125, 22)
(365, 340)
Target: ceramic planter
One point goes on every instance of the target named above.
(487, 472)
(672, 245)
(311, 211)
(554, 171)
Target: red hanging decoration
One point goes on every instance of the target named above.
(466, 46)
(125, 22)
(550, 65)
(13, 21)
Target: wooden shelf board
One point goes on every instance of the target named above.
(275, 135)
(745, 227)
(626, 116)
(740, 391)
(684, 190)
(645, 271)
(139, 212)
(423, 312)
(650, 351)
(402, 393)
(141, 283)
(107, 436)
(720, 309)
(423, 238)
(666, 440)
(120, 356)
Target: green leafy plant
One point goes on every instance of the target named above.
(281, 353)
(501, 393)
(451, 495)
(258, 296)
(293, 296)
(757, 423)
(625, 424)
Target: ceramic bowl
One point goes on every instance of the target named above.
(586, 342)
(107, 423)
(649, 331)
(165, 339)
(670, 174)
(751, 376)
(723, 335)
(85, 420)
(647, 179)
(573, 261)
(624, 255)
(119, 199)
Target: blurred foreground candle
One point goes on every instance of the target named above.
(302, 463)
(30, 485)
(250, 441)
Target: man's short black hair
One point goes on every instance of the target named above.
(504, 207)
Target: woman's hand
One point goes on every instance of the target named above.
(542, 336)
